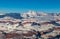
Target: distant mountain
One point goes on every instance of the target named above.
(14, 15)
(1, 16)
(29, 14)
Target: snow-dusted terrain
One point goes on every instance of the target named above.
(30, 21)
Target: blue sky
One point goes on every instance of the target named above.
(25, 5)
